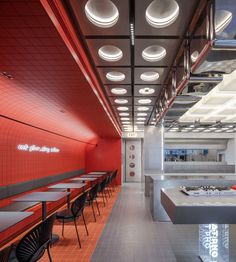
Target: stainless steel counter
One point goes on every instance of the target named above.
(155, 182)
(184, 209)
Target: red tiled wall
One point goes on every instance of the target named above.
(105, 156)
(18, 166)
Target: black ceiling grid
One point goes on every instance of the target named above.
(134, 61)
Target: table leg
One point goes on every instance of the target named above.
(68, 198)
(44, 210)
(214, 242)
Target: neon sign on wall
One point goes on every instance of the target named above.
(35, 148)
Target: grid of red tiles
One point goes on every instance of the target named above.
(67, 248)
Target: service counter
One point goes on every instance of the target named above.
(155, 182)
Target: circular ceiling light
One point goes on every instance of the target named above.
(115, 76)
(122, 108)
(141, 118)
(146, 91)
(121, 101)
(110, 53)
(102, 13)
(143, 108)
(194, 56)
(118, 91)
(154, 53)
(149, 76)
(222, 20)
(124, 114)
(162, 13)
(124, 118)
(141, 114)
(145, 101)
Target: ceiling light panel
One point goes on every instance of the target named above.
(102, 17)
(154, 53)
(218, 104)
(114, 76)
(162, 13)
(150, 75)
(121, 101)
(107, 52)
(118, 90)
(144, 101)
(110, 53)
(163, 17)
(147, 90)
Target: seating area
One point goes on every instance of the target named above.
(77, 201)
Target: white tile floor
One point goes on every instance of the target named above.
(131, 236)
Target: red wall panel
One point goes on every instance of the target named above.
(105, 156)
(18, 166)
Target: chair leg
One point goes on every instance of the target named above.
(77, 233)
(93, 211)
(98, 207)
(49, 255)
(104, 203)
(105, 194)
(62, 227)
(108, 191)
(85, 223)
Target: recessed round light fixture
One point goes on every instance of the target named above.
(194, 56)
(118, 91)
(102, 13)
(121, 101)
(124, 114)
(122, 108)
(115, 76)
(141, 114)
(145, 101)
(162, 13)
(110, 53)
(149, 76)
(141, 118)
(154, 53)
(146, 91)
(143, 108)
(222, 20)
(124, 118)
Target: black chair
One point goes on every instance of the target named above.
(73, 213)
(113, 182)
(5, 254)
(33, 245)
(92, 196)
(102, 189)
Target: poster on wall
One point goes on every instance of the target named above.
(133, 161)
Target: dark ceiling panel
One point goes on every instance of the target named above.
(169, 45)
(123, 44)
(103, 72)
(121, 28)
(178, 28)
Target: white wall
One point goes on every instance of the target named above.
(230, 152)
(153, 148)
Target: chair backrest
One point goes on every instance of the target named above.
(78, 205)
(93, 192)
(5, 253)
(32, 246)
(103, 184)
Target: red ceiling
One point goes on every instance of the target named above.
(48, 89)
